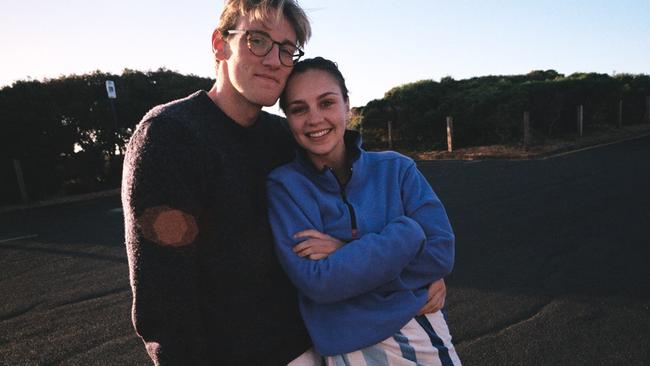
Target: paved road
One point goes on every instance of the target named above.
(552, 267)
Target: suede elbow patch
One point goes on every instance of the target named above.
(168, 227)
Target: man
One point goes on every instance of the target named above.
(207, 287)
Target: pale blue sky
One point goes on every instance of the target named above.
(377, 44)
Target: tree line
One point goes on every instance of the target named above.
(489, 110)
(63, 134)
(62, 137)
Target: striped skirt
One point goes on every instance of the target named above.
(423, 341)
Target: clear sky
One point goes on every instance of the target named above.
(378, 44)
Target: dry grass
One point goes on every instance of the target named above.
(597, 136)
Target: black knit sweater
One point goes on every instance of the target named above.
(207, 288)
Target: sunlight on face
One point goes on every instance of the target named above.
(317, 115)
(259, 79)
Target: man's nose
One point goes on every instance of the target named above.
(273, 57)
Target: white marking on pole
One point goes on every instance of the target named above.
(110, 89)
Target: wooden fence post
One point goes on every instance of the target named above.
(620, 113)
(21, 181)
(450, 134)
(580, 119)
(526, 129)
(390, 135)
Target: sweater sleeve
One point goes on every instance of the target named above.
(436, 259)
(161, 201)
(356, 268)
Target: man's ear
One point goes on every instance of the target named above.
(219, 46)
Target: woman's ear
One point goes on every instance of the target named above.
(219, 46)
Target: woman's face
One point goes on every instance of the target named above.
(317, 115)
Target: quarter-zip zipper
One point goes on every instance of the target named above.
(353, 216)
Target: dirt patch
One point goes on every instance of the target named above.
(596, 136)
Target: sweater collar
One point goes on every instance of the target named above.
(231, 124)
(325, 177)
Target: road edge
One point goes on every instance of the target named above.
(61, 200)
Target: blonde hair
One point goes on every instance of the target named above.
(264, 10)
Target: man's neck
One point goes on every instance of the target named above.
(234, 105)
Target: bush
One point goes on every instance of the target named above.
(489, 110)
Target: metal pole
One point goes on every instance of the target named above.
(647, 108)
(390, 135)
(114, 142)
(112, 94)
(450, 134)
(620, 113)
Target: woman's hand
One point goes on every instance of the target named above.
(437, 296)
(317, 246)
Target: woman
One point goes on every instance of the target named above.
(360, 234)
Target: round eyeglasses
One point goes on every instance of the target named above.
(260, 44)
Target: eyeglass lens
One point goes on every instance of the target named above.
(260, 44)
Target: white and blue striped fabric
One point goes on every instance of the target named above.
(424, 341)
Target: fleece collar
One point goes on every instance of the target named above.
(325, 178)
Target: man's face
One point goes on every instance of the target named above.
(258, 80)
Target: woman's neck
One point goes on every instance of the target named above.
(342, 173)
(337, 162)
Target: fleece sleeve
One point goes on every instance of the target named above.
(344, 273)
(161, 201)
(421, 204)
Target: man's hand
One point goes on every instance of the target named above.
(317, 246)
(437, 296)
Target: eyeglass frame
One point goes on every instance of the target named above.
(247, 33)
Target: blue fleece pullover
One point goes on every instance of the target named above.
(398, 240)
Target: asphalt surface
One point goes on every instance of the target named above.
(552, 267)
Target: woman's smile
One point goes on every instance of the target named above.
(318, 134)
